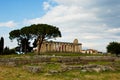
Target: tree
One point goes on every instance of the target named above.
(44, 32)
(22, 37)
(15, 34)
(26, 36)
(40, 32)
(1, 45)
(114, 48)
(24, 45)
(35, 43)
(8, 51)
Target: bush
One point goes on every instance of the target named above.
(114, 48)
(8, 51)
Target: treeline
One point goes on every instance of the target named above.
(6, 50)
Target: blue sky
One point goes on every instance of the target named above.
(94, 23)
(18, 10)
(14, 12)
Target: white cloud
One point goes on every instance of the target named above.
(80, 19)
(63, 13)
(46, 5)
(74, 2)
(91, 37)
(114, 30)
(8, 24)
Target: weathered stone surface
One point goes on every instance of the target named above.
(64, 68)
(51, 46)
(33, 69)
(47, 74)
(83, 70)
(66, 60)
(87, 68)
(53, 71)
(12, 64)
(76, 79)
(74, 67)
(96, 68)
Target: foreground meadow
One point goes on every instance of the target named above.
(18, 73)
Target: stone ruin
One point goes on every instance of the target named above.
(34, 64)
(51, 46)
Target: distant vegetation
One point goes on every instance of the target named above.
(6, 50)
(114, 48)
(1, 45)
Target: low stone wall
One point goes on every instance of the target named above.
(59, 59)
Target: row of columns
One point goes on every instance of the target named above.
(60, 47)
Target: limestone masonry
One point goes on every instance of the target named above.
(51, 46)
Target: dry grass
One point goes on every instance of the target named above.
(17, 73)
(107, 76)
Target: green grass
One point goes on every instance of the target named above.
(17, 73)
(21, 56)
(70, 54)
(51, 66)
(100, 63)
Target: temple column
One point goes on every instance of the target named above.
(70, 48)
(57, 47)
(46, 47)
(52, 45)
(73, 48)
(76, 48)
(63, 47)
(42, 48)
(49, 47)
(66, 47)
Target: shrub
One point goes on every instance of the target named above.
(8, 51)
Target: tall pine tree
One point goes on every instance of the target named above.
(1, 45)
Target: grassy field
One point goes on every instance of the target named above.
(54, 53)
(18, 73)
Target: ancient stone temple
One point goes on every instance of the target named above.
(51, 46)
